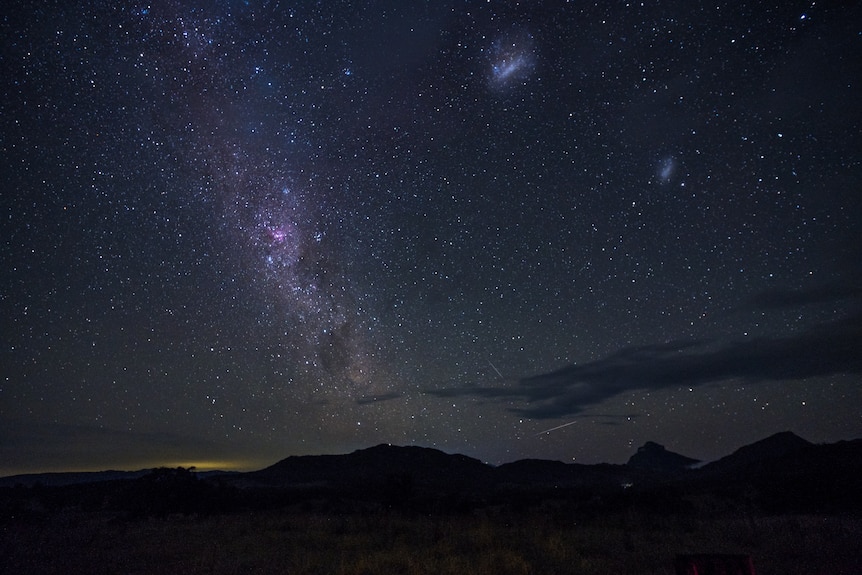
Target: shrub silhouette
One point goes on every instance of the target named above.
(167, 491)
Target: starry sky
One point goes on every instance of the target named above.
(234, 231)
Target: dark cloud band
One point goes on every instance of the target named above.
(824, 350)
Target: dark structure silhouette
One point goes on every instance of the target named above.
(714, 564)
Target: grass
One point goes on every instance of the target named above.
(500, 542)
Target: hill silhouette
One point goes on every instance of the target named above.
(422, 465)
(655, 457)
(780, 473)
(759, 454)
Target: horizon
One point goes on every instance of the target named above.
(510, 231)
(244, 467)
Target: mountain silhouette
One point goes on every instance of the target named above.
(379, 465)
(780, 473)
(758, 455)
(655, 457)
(785, 473)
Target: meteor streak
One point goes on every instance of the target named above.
(556, 428)
(494, 367)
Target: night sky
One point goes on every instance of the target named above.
(234, 231)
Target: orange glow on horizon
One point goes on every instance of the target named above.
(199, 465)
(218, 465)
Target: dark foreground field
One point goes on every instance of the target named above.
(487, 541)
(791, 506)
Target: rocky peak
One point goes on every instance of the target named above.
(655, 457)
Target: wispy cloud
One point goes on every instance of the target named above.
(823, 350)
(784, 298)
(369, 399)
